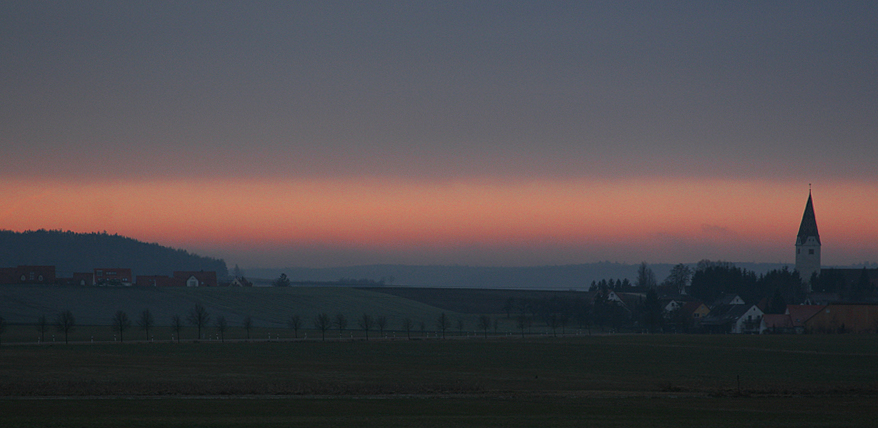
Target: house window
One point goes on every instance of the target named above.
(798, 251)
(23, 278)
(811, 251)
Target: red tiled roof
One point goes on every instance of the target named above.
(800, 313)
(777, 321)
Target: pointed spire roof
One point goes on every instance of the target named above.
(809, 223)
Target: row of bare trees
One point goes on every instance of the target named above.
(323, 322)
(199, 318)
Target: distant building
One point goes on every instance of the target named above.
(28, 275)
(844, 318)
(808, 245)
(113, 276)
(197, 279)
(83, 278)
(695, 310)
(240, 282)
(792, 321)
(158, 281)
(733, 318)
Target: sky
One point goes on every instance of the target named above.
(487, 133)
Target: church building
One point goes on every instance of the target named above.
(808, 245)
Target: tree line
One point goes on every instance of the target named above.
(81, 252)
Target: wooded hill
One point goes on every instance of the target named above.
(83, 252)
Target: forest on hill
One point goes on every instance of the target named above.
(82, 252)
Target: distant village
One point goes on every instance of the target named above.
(113, 277)
(810, 299)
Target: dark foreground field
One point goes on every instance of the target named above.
(580, 381)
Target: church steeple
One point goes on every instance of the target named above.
(808, 228)
(808, 245)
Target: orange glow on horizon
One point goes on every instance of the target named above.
(393, 214)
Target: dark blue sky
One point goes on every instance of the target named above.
(435, 92)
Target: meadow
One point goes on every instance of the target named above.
(274, 378)
(599, 380)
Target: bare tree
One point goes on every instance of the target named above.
(366, 323)
(177, 326)
(145, 322)
(381, 322)
(553, 323)
(295, 323)
(522, 322)
(198, 317)
(65, 323)
(2, 328)
(423, 326)
(121, 323)
(322, 323)
(679, 278)
(221, 326)
(460, 325)
(484, 324)
(509, 306)
(340, 322)
(247, 323)
(442, 323)
(563, 320)
(42, 326)
(407, 325)
(645, 276)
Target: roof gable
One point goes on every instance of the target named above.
(778, 321)
(801, 313)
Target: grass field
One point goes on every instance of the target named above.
(466, 380)
(622, 380)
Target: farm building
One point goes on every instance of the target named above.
(844, 318)
(28, 275)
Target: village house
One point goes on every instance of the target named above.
(731, 314)
(197, 278)
(693, 312)
(28, 275)
(791, 321)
